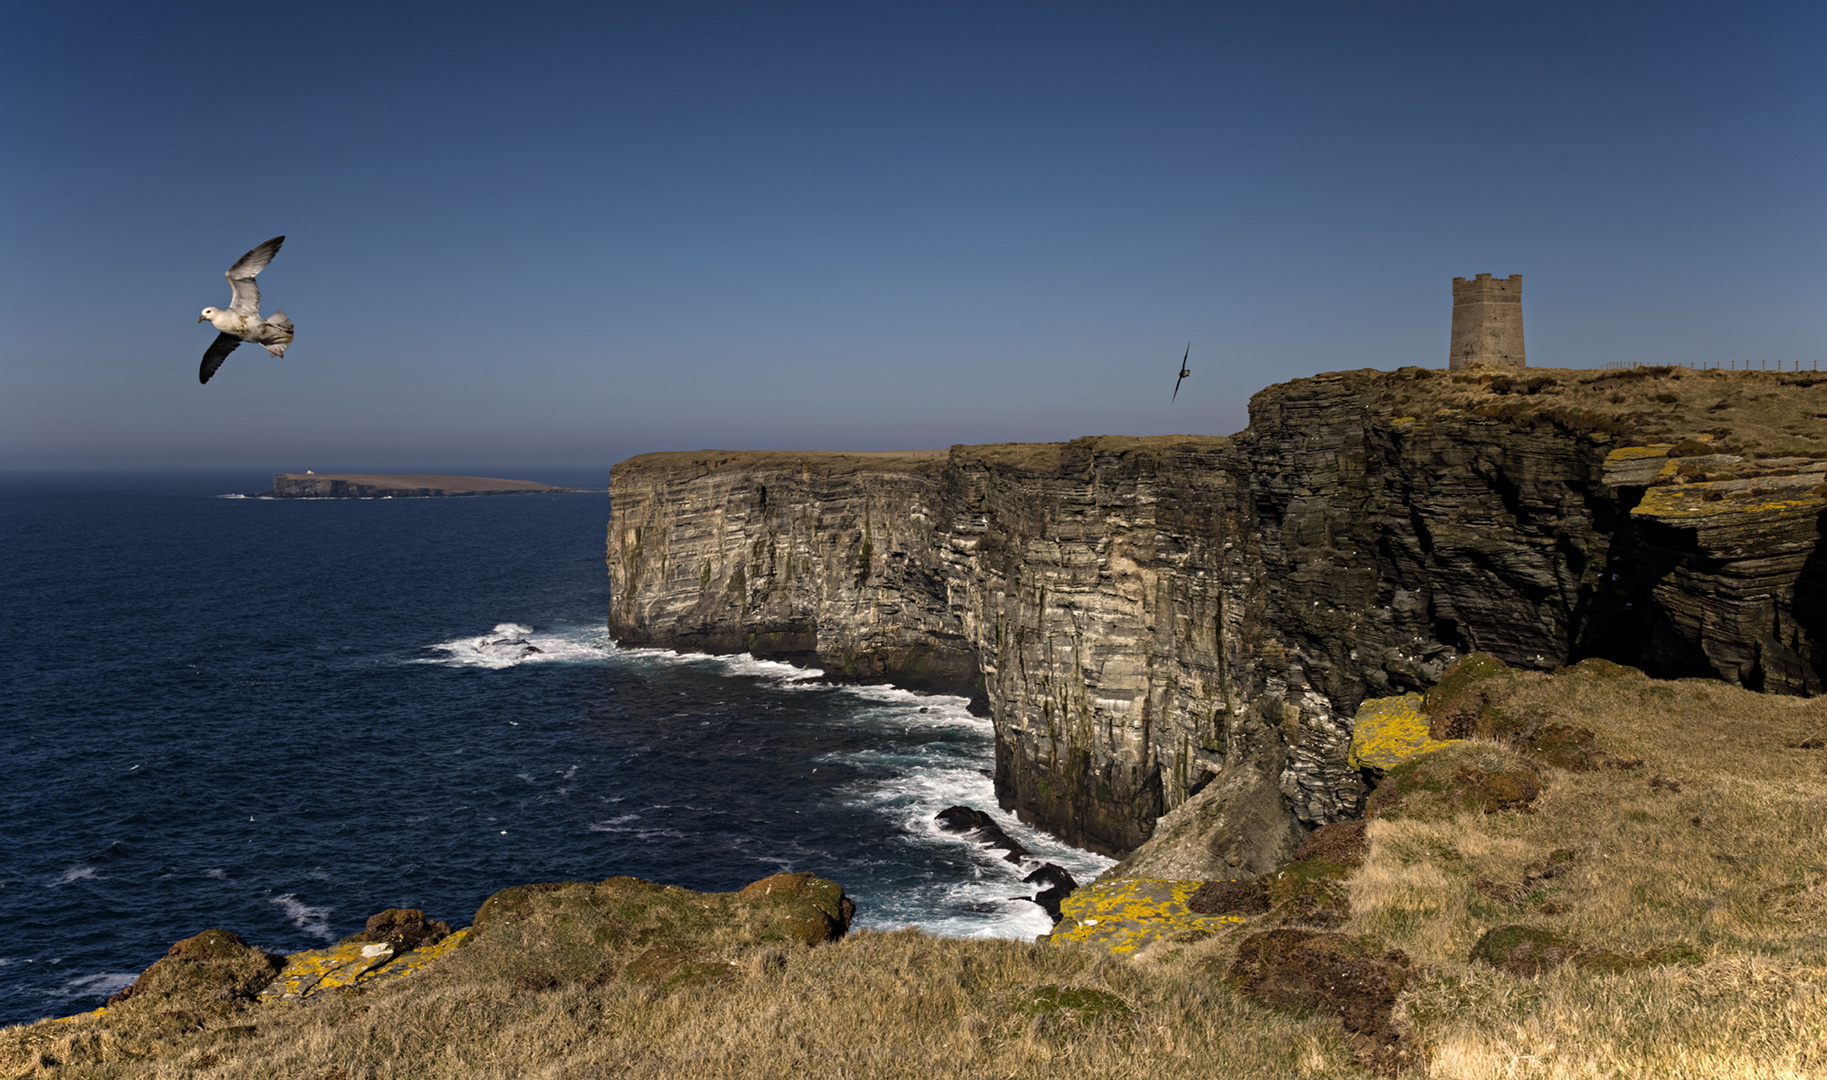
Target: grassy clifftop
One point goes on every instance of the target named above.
(1751, 414)
(1654, 907)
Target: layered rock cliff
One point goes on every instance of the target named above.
(1152, 619)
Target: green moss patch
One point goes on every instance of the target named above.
(1530, 950)
(1072, 1005)
(1469, 776)
(1468, 691)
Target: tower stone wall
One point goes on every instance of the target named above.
(1487, 322)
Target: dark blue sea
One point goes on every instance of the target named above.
(282, 716)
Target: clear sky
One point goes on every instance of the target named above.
(551, 235)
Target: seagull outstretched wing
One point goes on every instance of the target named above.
(1183, 372)
(219, 350)
(241, 279)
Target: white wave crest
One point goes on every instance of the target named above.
(75, 873)
(511, 644)
(312, 920)
(728, 664)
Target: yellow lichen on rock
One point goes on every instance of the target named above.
(1636, 466)
(408, 963)
(309, 972)
(1128, 913)
(1389, 731)
(1729, 502)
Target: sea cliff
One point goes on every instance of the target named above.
(1154, 620)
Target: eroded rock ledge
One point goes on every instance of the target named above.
(1146, 618)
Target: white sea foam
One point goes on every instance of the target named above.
(729, 664)
(75, 873)
(909, 785)
(626, 824)
(216, 872)
(312, 920)
(511, 644)
(912, 785)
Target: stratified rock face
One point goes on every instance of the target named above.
(1150, 619)
(839, 560)
(1096, 580)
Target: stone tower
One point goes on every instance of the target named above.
(1487, 322)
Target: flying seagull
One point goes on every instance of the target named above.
(1184, 371)
(242, 321)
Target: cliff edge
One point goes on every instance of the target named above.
(1149, 620)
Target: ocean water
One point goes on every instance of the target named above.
(280, 717)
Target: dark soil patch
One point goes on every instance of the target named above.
(1342, 842)
(1238, 896)
(1332, 973)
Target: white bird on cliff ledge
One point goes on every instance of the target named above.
(242, 321)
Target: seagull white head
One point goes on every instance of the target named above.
(242, 321)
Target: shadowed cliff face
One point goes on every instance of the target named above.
(1150, 619)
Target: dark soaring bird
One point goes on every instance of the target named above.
(242, 321)
(1184, 371)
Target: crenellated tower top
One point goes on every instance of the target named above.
(1487, 322)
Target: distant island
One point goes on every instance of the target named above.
(386, 486)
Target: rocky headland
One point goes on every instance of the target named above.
(1189, 623)
(1583, 873)
(398, 486)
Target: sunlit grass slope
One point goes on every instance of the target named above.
(1667, 884)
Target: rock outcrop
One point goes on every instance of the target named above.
(1155, 623)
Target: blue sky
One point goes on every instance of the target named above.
(557, 235)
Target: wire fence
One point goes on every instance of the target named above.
(1724, 365)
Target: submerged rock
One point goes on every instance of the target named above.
(1057, 884)
(981, 828)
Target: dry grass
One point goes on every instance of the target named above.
(1702, 874)
(1756, 414)
(876, 1005)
